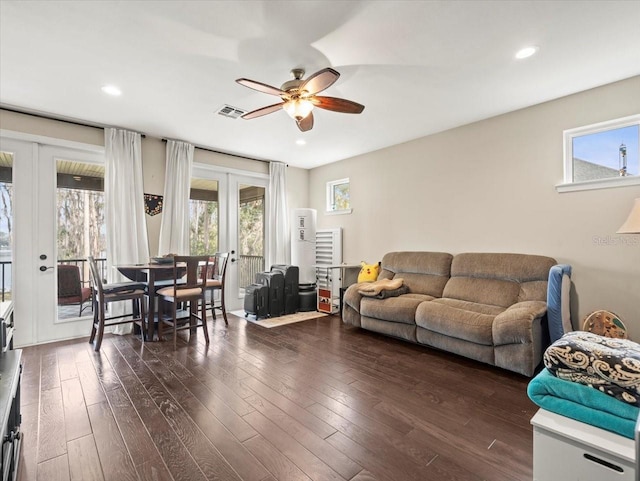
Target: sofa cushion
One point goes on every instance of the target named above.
(495, 292)
(498, 279)
(464, 320)
(423, 272)
(395, 329)
(393, 309)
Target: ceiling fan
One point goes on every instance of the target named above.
(299, 97)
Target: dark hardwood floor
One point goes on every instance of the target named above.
(314, 400)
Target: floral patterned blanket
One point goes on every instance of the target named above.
(609, 365)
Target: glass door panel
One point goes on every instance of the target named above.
(34, 231)
(6, 225)
(251, 224)
(227, 214)
(248, 234)
(80, 233)
(204, 215)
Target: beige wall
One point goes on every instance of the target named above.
(489, 186)
(297, 188)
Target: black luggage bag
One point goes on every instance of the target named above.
(291, 278)
(275, 283)
(256, 298)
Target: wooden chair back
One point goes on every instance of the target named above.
(193, 269)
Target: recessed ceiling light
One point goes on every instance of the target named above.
(301, 142)
(112, 90)
(526, 52)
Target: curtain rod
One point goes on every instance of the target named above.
(61, 119)
(102, 126)
(220, 152)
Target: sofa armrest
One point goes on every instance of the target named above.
(514, 326)
(559, 301)
(351, 305)
(352, 297)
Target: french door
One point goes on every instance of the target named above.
(243, 230)
(34, 231)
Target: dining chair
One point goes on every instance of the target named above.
(215, 283)
(107, 293)
(70, 290)
(191, 291)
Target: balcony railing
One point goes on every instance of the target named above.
(248, 267)
(6, 273)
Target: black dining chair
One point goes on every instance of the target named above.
(189, 291)
(215, 283)
(107, 293)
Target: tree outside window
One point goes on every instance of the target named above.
(339, 196)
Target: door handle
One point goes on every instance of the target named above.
(45, 268)
(233, 259)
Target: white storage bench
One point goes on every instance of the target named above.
(568, 450)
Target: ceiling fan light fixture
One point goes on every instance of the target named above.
(298, 109)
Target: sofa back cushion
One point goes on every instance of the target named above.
(423, 272)
(498, 279)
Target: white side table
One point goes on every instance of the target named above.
(330, 278)
(568, 450)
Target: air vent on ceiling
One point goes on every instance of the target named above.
(231, 112)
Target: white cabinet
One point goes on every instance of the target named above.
(568, 450)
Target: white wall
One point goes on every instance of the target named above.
(489, 186)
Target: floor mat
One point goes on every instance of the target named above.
(282, 320)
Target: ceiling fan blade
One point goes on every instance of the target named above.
(260, 87)
(306, 123)
(319, 81)
(262, 111)
(337, 105)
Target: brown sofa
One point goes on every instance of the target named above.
(485, 306)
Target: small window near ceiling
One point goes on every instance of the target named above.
(602, 155)
(338, 197)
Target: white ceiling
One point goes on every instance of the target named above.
(419, 67)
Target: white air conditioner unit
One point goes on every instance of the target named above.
(303, 244)
(329, 253)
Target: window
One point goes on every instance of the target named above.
(6, 224)
(80, 207)
(602, 155)
(203, 217)
(338, 197)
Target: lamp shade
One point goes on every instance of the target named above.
(632, 224)
(298, 109)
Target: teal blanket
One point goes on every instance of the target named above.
(583, 403)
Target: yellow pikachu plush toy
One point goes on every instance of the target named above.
(368, 272)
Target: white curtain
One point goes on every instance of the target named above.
(125, 221)
(174, 230)
(279, 247)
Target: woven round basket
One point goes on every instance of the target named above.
(606, 324)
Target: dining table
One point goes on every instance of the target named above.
(151, 273)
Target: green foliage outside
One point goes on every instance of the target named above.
(251, 228)
(81, 230)
(341, 197)
(203, 237)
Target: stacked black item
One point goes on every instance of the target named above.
(291, 277)
(256, 297)
(274, 293)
